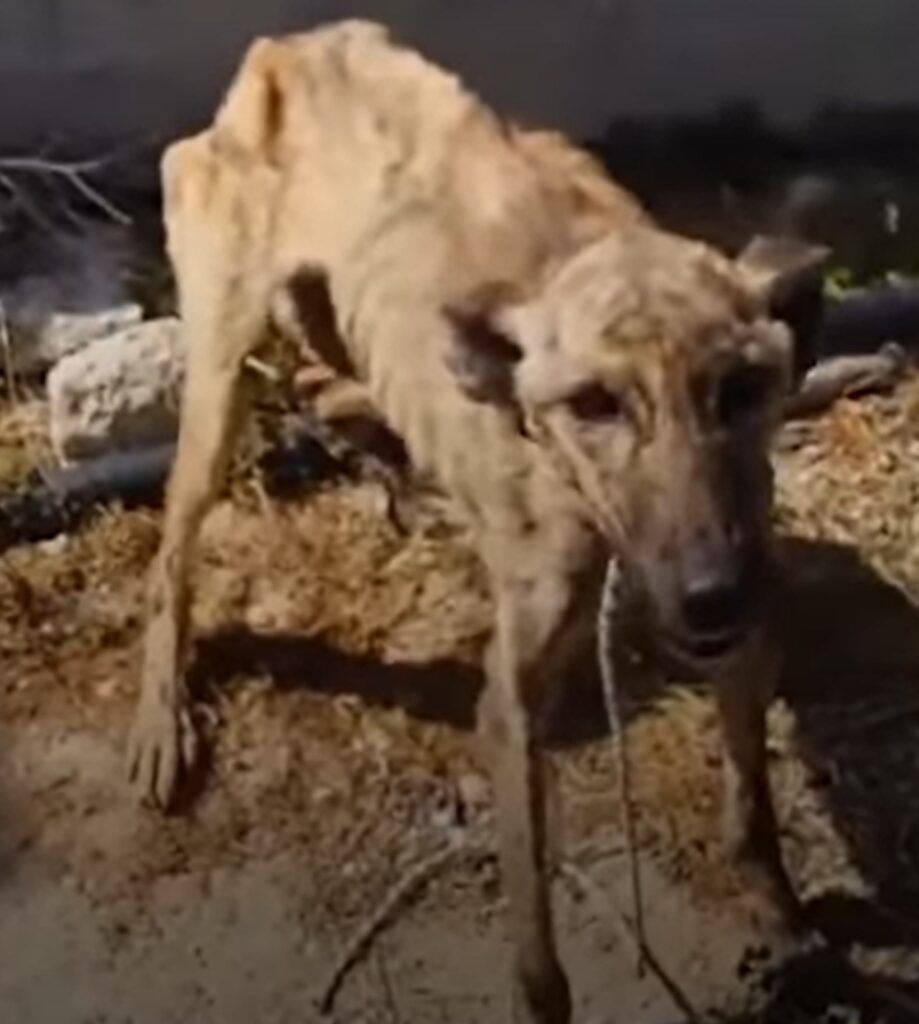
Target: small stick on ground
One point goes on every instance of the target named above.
(417, 876)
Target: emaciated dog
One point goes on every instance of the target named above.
(578, 380)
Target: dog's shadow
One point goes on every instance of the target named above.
(851, 643)
(444, 691)
(851, 648)
(851, 679)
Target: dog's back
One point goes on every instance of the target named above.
(360, 127)
(387, 176)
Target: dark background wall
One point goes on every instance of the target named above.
(99, 70)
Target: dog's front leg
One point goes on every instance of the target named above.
(743, 688)
(531, 621)
(163, 743)
(219, 243)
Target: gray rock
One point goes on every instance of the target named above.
(68, 290)
(118, 393)
(39, 337)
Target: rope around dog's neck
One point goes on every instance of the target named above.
(611, 700)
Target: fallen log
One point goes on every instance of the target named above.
(865, 342)
(846, 376)
(860, 322)
(61, 498)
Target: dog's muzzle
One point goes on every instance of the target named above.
(715, 611)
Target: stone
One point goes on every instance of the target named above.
(40, 338)
(120, 392)
(68, 291)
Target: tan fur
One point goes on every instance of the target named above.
(347, 162)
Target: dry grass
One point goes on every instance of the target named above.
(24, 441)
(337, 655)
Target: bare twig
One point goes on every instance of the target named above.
(74, 173)
(263, 369)
(417, 876)
(98, 199)
(472, 846)
(43, 163)
(19, 196)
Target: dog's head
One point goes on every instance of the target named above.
(653, 370)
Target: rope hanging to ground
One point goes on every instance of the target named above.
(472, 845)
(605, 656)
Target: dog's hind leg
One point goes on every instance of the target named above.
(218, 233)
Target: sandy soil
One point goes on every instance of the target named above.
(336, 666)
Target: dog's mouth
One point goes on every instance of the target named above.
(703, 647)
(694, 650)
(691, 647)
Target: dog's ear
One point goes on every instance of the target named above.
(789, 274)
(484, 351)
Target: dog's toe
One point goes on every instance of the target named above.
(162, 749)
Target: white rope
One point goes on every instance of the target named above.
(611, 700)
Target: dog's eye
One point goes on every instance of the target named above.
(595, 402)
(741, 391)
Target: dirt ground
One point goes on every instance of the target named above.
(336, 666)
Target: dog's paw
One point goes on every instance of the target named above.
(779, 921)
(543, 1000)
(163, 749)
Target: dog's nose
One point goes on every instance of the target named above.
(713, 602)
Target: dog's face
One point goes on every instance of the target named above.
(653, 372)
